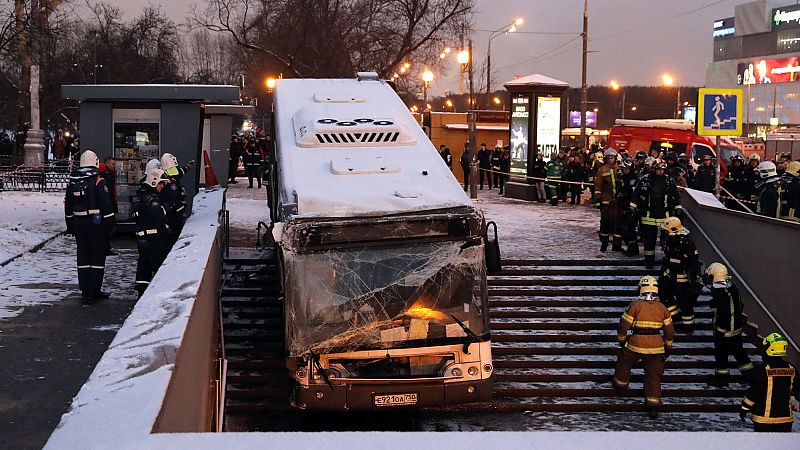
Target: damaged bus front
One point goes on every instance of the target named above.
(381, 252)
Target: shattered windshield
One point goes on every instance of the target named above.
(383, 297)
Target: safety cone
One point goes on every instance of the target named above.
(211, 179)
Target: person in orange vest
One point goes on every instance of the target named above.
(650, 341)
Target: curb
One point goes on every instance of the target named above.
(33, 249)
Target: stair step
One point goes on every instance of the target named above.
(625, 405)
(601, 392)
(250, 363)
(603, 378)
(575, 272)
(565, 282)
(574, 326)
(599, 364)
(584, 338)
(572, 314)
(591, 351)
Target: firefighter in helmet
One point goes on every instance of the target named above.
(679, 283)
(656, 197)
(728, 324)
(607, 188)
(628, 180)
(774, 384)
(650, 341)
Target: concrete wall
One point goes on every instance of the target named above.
(190, 402)
(762, 252)
(221, 126)
(97, 128)
(181, 135)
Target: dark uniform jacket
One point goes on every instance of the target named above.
(790, 197)
(483, 158)
(173, 199)
(494, 161)
(704, 178)
(656, 197)
(681, 259)
(769, 396)
(769, 197)
(253, 156)
(606, 184)
(727, 306)
(150, 214)
(736, 182)
(647, 319)
(87, 199)
(627, 184)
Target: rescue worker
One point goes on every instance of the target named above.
(554, 170)
(736, 182)
(769, 398)
(678, 282)
(89, 214)
(253, 161)
(606, 190)
(638, 163)
(650, 340)
(173, 197)
(656, 197)
(484, 166)
(628, 181)
(727, 305)
(152, 231)
(769, 190)
(790, 196)
(683, 163)
(704, 177)
(591, 171)
(751, 176)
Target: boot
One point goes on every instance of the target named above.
(617, 246)
(718, 381)
(652, 412)
(633, 249)
(649, 261)
(100, 296)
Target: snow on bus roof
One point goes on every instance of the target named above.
(348, 148)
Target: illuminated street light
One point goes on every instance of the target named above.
(450, 104)
(597, 110)
(496, 100)
(406, 66)
(427, 77)
(270, 83)
(463, 57)
(614, 85)
(633, 108)
(428, 107)
(510, 28)
(667, 80)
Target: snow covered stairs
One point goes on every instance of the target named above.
(554, 341)
(252, 319)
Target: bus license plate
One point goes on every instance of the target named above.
(395, 399)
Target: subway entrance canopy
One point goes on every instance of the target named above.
(136, 123)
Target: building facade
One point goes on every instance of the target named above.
(758, 50)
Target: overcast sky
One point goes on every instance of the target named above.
(634, 41)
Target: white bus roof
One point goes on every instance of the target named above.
(673, 124)
(350, 148)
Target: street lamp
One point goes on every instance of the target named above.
(427, 77)
(668, 81)
(270, 83)
(616, 86)
(497, 101)
(510, 28)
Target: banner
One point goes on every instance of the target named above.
(548, 126)
(520, 119)
(766, 71)
(575, 119)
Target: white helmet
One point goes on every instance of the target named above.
(154, 177)
(766, 169)
(168, 161)
(89, 159)
(152, 164)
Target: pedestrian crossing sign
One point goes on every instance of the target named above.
(719, 112)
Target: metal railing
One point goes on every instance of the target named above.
(51, 178)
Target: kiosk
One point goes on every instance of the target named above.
(136, 123)
(536, 122)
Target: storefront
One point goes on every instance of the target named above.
(758, 50)
(136, 123)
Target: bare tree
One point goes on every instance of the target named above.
(320, 38)
(206, 57)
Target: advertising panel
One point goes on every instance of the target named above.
(548, 126)
(575, 119)
(520, 126)
(788, 17)
(766, 71)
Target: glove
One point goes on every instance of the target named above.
(667, 352)
(70, 231)
(598, 205)
(742, 415)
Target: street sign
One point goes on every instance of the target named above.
(719, 112)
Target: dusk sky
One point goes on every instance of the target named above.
(634, 41)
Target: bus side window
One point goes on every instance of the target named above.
(699, 151)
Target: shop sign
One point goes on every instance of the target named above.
(575, 119)
(767, 71)
(786, 16)
(724, 28)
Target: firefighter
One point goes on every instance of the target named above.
(494, 162)
(790, 192)
(769, 190)
(253, 161)
(591, 171)
(173, 197)
(769, 398)
(704, 177)
(152, 231)
(650, 340)
(638, 163)
(89, 213)
(656, 197)
(751, 176)
(736, 182)
(607, 188)
(629, 220)
(678, 282)
(728, 324)
(554, 171)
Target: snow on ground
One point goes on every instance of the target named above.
(27, 219)
(122, 398)
(247, 207)
(51, 274)
(537, 230)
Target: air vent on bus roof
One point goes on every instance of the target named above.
(348, 127)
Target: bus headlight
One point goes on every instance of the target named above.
(472, 371)
(301, 374)
(487, 367)
(456, 372)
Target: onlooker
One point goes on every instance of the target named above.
(484, 166)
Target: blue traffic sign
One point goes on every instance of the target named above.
(719, 112)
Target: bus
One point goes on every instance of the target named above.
(381, 254)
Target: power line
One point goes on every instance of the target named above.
(544, 55)
(532, 32)
(642, 27)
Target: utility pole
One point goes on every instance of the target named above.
(461, 66)
(473, 162)
(584, 81)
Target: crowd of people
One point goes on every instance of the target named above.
(90, 215)
(252, 150)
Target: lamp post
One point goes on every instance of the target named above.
(615, 86)
(668, 81)
(510, 28)
(473, 163)
(427, 77)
